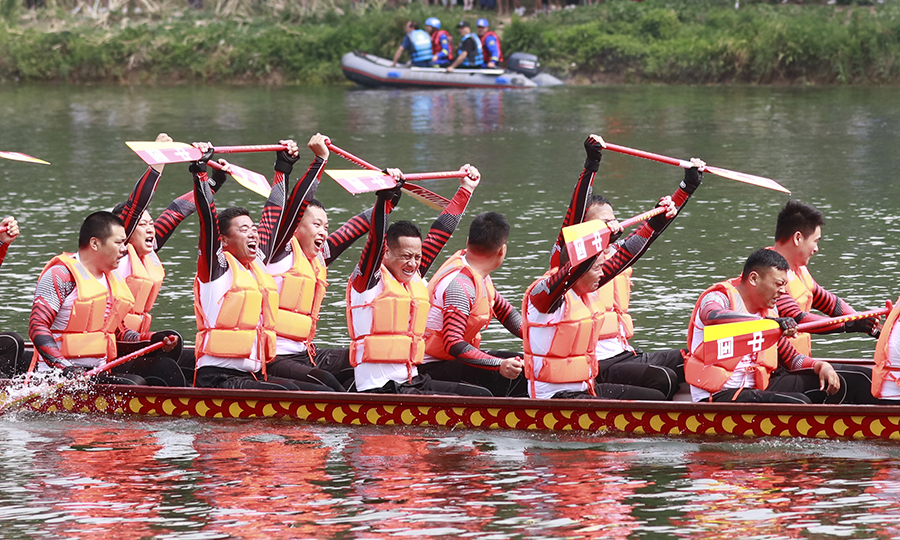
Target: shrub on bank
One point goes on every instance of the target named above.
(281, 41)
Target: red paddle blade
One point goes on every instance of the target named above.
(760, 181)
(426, 197)
(585, 240)
(362, 181)
(253, 181)
(726, 341)
(160, 153)
(18, 156)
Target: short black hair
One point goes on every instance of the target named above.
(401, 228)
(597, 200)
(413, 24)
(315, 203)
(487, 233)
(226, 216)
(797, 216)
(98, 225)
(762, 259)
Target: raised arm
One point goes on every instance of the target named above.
(9, 231)
(448, 219)
(593, 146)
(366, 274)
(208, 267)
(273, 211)
(180, 209)
(142, 194)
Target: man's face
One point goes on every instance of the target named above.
(242, 239)
(143, 235)
(481, 31)
(312, 231)
(808, 246)
(112, 249)
(404, 258)
(771, 283)
(429, 29)
(589, 282)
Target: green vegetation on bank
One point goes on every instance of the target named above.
(293, 41)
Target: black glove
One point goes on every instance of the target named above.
(199, 166)
(658, 222)
(863, 326)
(593, 149)
(175, 353)
(218, 178)
(392, 194)
(692, 179)
(285, 162)
(74, 372)
(613, 237)
(785, 323)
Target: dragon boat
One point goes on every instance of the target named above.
(605, 417)
(375, 71)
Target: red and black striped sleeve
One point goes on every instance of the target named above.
(177, 211)
(303, 192)
(341, 239)
(442, 228)
(3, 249)
(53, 287)
(574, 214)
(139, 200)
(272, 214)
(208, 267)
(366, 274)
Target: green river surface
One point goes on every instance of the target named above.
(837, 148)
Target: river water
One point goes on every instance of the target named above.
(835, 148)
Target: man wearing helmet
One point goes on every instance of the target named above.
(441, 43)
(490, 44)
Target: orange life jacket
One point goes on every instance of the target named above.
(300, 296)
(800, 286)
(144, 282)
(614, 298)
(570, 357)
(90, 333)
(248, 312)
(712, 377)
(479, 315)
(884, 371)
(399, 314)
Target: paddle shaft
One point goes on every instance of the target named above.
(649, 155)
(806, 327)
(642, 217)
(249, 148)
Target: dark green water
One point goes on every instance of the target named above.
(835, 148)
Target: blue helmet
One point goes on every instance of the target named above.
(433, 22)
(483, 23)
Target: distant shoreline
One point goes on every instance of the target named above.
(617, 41)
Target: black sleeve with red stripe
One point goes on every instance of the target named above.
(177, 211)
(366, 274)
(442, 228)
(303, 192)
(341, 239)
(139, 200)
(208, 267)
(574, 214)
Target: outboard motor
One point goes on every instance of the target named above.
(524, 63)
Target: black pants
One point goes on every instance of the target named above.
(856, 384)
(423, 384)
(296, 367)
(12, 355)
(662, 370)
(216, 377)
(459, 371)
(614, 391)
(158, 368)
(752, 395)
(334, 361)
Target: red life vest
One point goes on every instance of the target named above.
(436, 43)
(487, 53)
(144, 282)
(883, 370)
(569, 356)
(479, 316)
(398, 317)
(712, 377)
(90, 333)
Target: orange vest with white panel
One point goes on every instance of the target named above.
(90, 333)
(247, 315)
(884, 371)
(144, 282)
(397, 325)
(568, 356)
(800, 286)
(712, 377)
(614, 298)
(479, 315)
(300, 298)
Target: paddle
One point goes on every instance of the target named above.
(760, 181)
(365, 181)
(160, 153)
(426, 197)
(587, 239)
(18, 402)
(726, 341)
(253, 181)
(18, 156)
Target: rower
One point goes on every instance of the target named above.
(387, 300)
(886, 375)
(749, 379)
(235, 297)
(12, 346)
(463, 301)
(80, 304)
(562, 312)
(797, 234)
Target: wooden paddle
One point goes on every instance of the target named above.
(731, 340)
(426, 197)
(587, 239)
(760, 181)
(18, 156)
(365, 181)
(46, 391)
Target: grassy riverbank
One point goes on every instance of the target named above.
(287, 42)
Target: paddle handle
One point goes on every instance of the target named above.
(350, 157)
(168, 340)
(649, 155)
(249, 148)
(434, 175)
(806, 327)
(642, 217)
